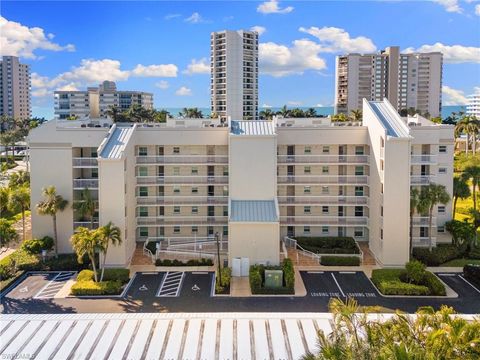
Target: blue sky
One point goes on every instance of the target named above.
(149, 45)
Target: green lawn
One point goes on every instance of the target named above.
(461, 262)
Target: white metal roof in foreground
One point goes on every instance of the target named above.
(253, 211)
(252, 127)
(161, 336)
(117, 142)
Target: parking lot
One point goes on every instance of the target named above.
(458, 283)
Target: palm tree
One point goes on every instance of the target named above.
(266, 114)
(20, 178)
(311, 112)
(85, 206)
(356, 115)
(430, 196)
(51, 205)
(461, 190)
(87, 242)
(473, 173)
(341, 117)
(297, 113)
(114, 112)
(411, 111)
(7, 232)
(135, 113)
(414, 201)
(4, 196)
(108, 234)
(191, 113)
(469, 126)
(284, 111)
(20, 199)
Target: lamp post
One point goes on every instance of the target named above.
(218, 256)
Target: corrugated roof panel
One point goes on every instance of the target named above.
(389, 118)
(253, 211)
(116, 143)
(252, 127)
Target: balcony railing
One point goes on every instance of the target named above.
(423, 221)
(85, 183)
(182, 220)
(323, 200)
(424, 159)
(424, 241)
(181, 200)
(85, 162)
(421, 179)
(324, 220)
(183, 159)
(322, 159)
(322, 179)
(179, 180)
(86, 224)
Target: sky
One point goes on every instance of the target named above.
(163, 47)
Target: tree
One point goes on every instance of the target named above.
(414, 201)
(297, 113)
(19, 178)
(114, 112)
(266, 114)
(4, 196)
(108, 234)
(7, 232)
(356, 115)
(20, 200)
(311, 113)
(411, 111)
(463, 233)
(161, 116)
(284, 112)
(461, 190)
(473, 173)
(430, 196)
(85, 207)
(51, 205)
(469, 126)
(191, 113)
(341, 117)
(87, 242)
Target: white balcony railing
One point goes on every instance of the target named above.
(85, 183)
(323, 200)
(85, 162)
(87, 224)
(424, 241)
(181, 200)
(324, 220)
(322, 179)
(424, 159)
(179, 180)
(323, 159)
(183, 159)
(422, 179)
(418, 221)
(182, 220)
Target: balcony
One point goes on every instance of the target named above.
(421, 179)
(424, 241)
(86, 224)
(424, 159)
(323, 200)
(322, 159)
(182, 200)
(180, 180)
(181, 220)
(85, 162)
(421, 221)
(322, 179)
(324, 220)
(183, 159)
(85, 183)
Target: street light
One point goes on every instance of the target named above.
(217, 235)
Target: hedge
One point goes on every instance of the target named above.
(257, 279)
(391, 282)
(192, 262)
(340, 260)
(438, 255)
(114, 279)
(472, 274)
(329, 245)
(6, 282)
(120, 274)
(35, 246)
(226, 276)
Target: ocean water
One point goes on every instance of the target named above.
(325, 110)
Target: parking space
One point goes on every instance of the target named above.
(144, 286)
(171, 284)
(459, 284)
(355, 284)
(197, 285)
(40, 285)
(55, 285)
(321, 284)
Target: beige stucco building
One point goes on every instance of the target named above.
(250, 182)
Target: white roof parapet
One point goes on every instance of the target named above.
(389, 118)
(252, 128)
(113, 146)
(253, 211)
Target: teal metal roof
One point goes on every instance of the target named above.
(252, 127)
(253, 211)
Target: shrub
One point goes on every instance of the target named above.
(91, 288)
(434, 285)
(398, 287)
(472, 274)
(152, 246)
(340, 260)
(85, 275)
(257, 278)
(7, 269)
(120, 274)
(475, 253)
(226, 275)
(35, 246)
(65, 262)
(329, 245)
(437, 256)
(390, 282)
(22, 260)
(415, 271)
(6, 282)
(289, 274)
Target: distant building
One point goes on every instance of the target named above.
(95, 101)
(473, 106)
(406, 80)
(15, 88)
(234, 74)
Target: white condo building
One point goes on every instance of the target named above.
(15, 84)
(250, 182)
(234, 74)
(95, 101)
(473, 106)
(411, 80)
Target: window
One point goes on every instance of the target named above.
(225, 190)
(142, 211)
(194, 170)
(94, 173)
(143, 231)
(176, 209)
(194, 190)
(358, 210)
(308, 150)
(194, 209)
(225, 231)
(424, 232)
(142, 151)
(358, 232)
(359, 150)
(142, 171)
(324, 229)
(176, 189)
(441, 229)
(442, 149)
(442, 170)
(381, 210)
(381, 165)
(326, 149)
(176, 150)
(307, 189)
(143, 191)
(441, 209)
(381, 234)
(358, 190)
(194, 229)
(359, 170)
(176, 170)
(176, 229)
(306, 229)
(307, 210)
(307, 170)
(324, 189)
(324, 169)
(325, 209)
(225, 211)
(225, 171)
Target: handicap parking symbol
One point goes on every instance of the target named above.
(195, 287)
(24, 289)
(143, 288)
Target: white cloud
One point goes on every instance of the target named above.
(280, 60)
(172, 16)
(227, 18)
(19, 40)
(259, 29)
(319, 105)
(68, 87)
(183, 91)
(162, 84)
(266, 106)
(453, 96)
(271, 7)
(334, 39)
(196, 18)
(294, 103)
(477, 9)
(450, 5)
(201, 66)
(164, 70)
(454, 54)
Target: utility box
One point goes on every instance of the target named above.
(273, 279)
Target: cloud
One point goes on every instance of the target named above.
(453, 96)
(294, 103)
(454, 54)
(334, 40)
(164, 70)
(162, 84)
(266, 106)
(19, 40)
(196, 18)
(172, 16)
(450, 5)
(183, 91)
(201, 66)
(227, 18)
(280, 60)
(271, 7)
(259, 29)
(477, 9)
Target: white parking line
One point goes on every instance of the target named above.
(449, 274)
(54, 286)
(171, 284)
(469, 283)
(347, 272)
(315, 272)
(338, 285)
